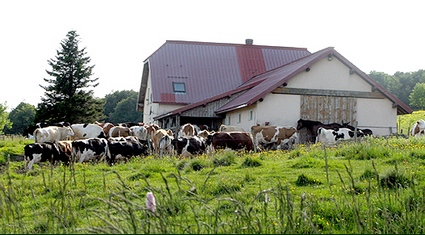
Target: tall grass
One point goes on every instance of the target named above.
(372, 186)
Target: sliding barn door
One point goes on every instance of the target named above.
(328, 109)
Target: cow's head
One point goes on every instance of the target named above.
(300, 124)
(69, 131)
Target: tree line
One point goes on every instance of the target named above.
(118, 107)
(408, 87)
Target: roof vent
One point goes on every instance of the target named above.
(249, 41)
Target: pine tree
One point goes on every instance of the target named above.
(69, 97)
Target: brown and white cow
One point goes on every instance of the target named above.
(65, 148)
(119, 131)
(267, 136)
(165, 145)
(52, 134)
(105, 126)
(418, 128)
(235, 140)
(187, 130)
(156, 134)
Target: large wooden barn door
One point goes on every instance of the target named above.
(328, 109)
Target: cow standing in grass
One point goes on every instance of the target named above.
(418, 128)
(52, 134)
(234, 140)
(270, 137)
(87, 130)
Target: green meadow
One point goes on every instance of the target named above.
(375, 185)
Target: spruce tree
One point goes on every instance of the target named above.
(69, 96)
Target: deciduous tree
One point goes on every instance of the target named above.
(21, 117)
(417, 96)
(4, 118)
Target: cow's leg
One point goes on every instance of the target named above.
(35, 159)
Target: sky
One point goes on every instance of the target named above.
(384, 36)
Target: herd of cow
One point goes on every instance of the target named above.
(63, 142)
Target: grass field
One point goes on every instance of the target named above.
(373, 186)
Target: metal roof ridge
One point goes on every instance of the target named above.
(231, 44)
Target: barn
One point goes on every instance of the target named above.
(247, 84)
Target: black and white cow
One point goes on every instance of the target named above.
(332, 136)
(85, 150)
(43, 152)
(87, 130)
(126, 147)
(188, 146)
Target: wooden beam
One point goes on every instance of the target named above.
(320, 92)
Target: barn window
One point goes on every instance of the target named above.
(251, 115)
(179, 87)
(228, 120)
(239, 118)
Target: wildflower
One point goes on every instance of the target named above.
(266, 198)
(150, 202)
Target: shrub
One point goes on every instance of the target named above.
(307, 162)
(367, 174)
(225, 160)
(197, 165)
(181, 165)
(226, 188)
(394, 179)
(303, 180)
(251, 162)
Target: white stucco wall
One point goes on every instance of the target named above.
(329, 75)
(151, 110)
(147, 103)
(245, 118)
(377, 115)
(279, 110)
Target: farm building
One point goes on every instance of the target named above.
(247, 84)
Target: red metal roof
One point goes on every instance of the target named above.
(209, 69)
(277, 77)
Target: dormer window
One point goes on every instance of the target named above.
(179, 87)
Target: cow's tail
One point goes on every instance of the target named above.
(35, 135)
(164, 143)
(108, 157)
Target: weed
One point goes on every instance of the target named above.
(304, 180)
(197, 165)
(394, 179)
(224, 160)
(251, 162)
